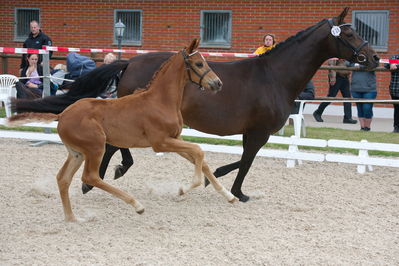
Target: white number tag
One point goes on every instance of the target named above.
(335, 31)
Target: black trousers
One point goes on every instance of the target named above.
(342, 85)
(395, 112)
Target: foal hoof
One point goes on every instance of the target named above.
(86, 188)
(234, 199)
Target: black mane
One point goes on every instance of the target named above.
(294, 38)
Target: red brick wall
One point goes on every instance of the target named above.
(169, 25)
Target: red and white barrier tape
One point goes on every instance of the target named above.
(22, 51)
(95, 50)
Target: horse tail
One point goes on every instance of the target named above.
(19, 119)
(89, 85)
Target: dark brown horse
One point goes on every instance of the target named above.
(151, 118)
(258, 93)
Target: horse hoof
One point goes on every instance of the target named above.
(243, 198)
(206, 183)
(141, 211)
(234, 199)
(119, 171)
(86, 188)
(181, 191)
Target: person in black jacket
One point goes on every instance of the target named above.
(306, 94)
(35, 40)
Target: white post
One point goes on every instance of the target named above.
(46, 74)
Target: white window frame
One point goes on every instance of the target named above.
(226, 42)
(126, 40)
(379, 19)
(17, 35)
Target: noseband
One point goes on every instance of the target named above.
(189, 67)
(336, 32)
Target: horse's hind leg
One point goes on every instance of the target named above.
(90, 176)
(64, 179)
(127, 162)
(215, 183)
(109, 152)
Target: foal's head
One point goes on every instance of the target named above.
(198, 70)
(349, 45)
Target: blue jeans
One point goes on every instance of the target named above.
(364, 110)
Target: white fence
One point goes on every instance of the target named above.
(293, 154)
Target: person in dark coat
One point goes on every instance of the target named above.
(394, 91)
(306, 94)
(36, 40)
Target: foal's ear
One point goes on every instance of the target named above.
(193, 46)
(342, 16)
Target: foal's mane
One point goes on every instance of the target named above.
(154, 76)
(296, 37)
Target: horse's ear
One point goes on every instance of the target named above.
(342, 16)
(193, 46)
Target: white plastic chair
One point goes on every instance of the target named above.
(7, 90)
(299, 122)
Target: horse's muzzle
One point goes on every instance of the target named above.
(373, 62)
(216, 85)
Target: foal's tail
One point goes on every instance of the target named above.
(89, 85)
(19, 119)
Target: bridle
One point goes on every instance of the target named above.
(189, 67)
(336, 32)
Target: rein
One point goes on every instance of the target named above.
(189, 67)
(336, 32)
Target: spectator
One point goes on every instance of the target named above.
(394, 91)
(30, 88)
(306, 94)
(109, 58)
(269, 41)
(58, 75)
(35, 40)
(364, 86)
(338, 81)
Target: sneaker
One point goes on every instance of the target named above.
(396, 130)
(349, 121)
(317, 116)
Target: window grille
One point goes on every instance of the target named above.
(215, 29)
(133, 22)
(23, 17)
(373, 26)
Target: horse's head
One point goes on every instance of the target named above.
(198, 69)
(349, 45)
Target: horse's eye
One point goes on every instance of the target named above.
(199, 64)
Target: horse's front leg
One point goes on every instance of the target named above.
(215, 183)
(252, 144)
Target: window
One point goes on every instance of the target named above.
(132, 20)
(23, 17)
(373, 26)
(215, 29)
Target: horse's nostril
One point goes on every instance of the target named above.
(376, 57)
(220, 83)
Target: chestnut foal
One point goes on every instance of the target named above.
(150, 118)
